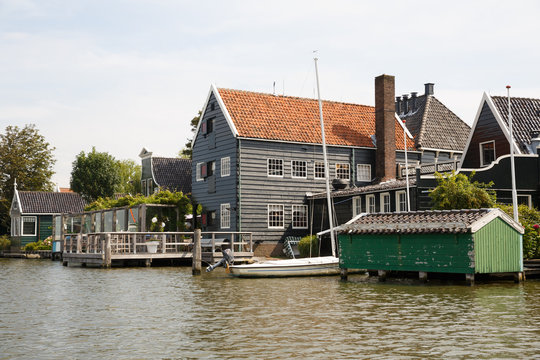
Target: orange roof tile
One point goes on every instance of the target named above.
(287, 118)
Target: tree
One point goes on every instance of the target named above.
(27, 158)
(186, 152)
(130, 177)
(530, 220)
(95, 175)
(458, 191)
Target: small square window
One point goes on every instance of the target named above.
(319, 170)
(363, 172)
(276, 217)
(299, 217)
(198, 173)
(487, 153)
(225, 166)
(385, 203)
(342, 171)
(357, 205)
(29, 225)
(225, 216)
(275, 167)
(370, 203)
(401, 201)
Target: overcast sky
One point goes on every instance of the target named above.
(123, 75)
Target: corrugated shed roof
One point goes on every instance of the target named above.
(525, 116)
(40, 202)
(432, 221)
(434, 126)
(287, 118)
(172, 173)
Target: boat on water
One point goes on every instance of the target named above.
(315, 266)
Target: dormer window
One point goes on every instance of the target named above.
(487, 152)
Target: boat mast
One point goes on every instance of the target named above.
(326, 172)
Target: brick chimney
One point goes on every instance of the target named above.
(385, 128)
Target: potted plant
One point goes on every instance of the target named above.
(152, 242)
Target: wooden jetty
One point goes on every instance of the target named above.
(108, 249)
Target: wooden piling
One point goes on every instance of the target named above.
(469, 278)
(197, 252)
(422, 275)
(344, 274)
(382, 275)
(107, 260)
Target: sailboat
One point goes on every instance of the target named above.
(315, 266)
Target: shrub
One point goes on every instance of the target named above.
(38, 245)
(307, 243)
(530, 219)
(5, 242)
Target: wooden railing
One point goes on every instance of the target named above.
(118, 243)
(427, 169)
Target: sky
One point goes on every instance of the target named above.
(121, 75)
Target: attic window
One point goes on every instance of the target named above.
(487, 152)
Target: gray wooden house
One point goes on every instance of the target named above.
(32, 213)
(256, 156)
(172, 174)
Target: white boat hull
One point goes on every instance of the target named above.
(326, 265)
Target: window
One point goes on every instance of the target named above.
(487, 153)
(143, 187)
(15, 226)
(363, 172)
(342, 171)
(385, 202)
(370, 203)
(275, 217)
(401, 201)
(525, 199)
(357, 205)
(299, 217)
(149, 186)
(210, 168)
(298, 169)
(28, 225)
(275, 167)
(319, 170)
(209, 125)
(225, 216)
(198, 174)
(225, 166)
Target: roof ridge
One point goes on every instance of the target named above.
(295, 97)
(514, 97)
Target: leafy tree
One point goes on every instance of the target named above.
(130, 177)
(458, 191)
(530, 220)
(94, 175)
(186, 152)
(27, 158)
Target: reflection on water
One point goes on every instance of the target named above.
(53, 312)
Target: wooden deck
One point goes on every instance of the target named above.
(133, 249)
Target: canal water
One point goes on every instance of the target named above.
(52, 312)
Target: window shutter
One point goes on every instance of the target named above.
(203, 128)
(204, 170)
(203, 219)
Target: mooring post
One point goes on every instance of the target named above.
(469, 278)
(197, 266)
(382, 275)
(78, 251)
(422, 275)
(344, 274)
(163, 243)
(519, 277)
(107, 259)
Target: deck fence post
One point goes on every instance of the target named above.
(250, 242)
(163, 242)
(79, 243)
(213, 245)
(107, 249)
(196, 263)
(232, 243)
(134, 243)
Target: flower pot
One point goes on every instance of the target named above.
(151, 246)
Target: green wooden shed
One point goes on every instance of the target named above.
(468, 242)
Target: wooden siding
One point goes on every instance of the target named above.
(497, 248)
(44, 226)
(218, 144)
(486, 129)
(258, 190)
(146, 168)
(448, 253)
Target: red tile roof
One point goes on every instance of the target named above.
(287, 118)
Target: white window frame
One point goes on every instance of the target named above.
(529, 200)
(384, 208)
(34, 219)
(398, 201)
(275, 164)
(300, 223)
(300, 163)
(276, 207)
(363, 169)
(15, 226)
(482, 164)
(357, 205)
(198, 176)
(318, 164)
(348, 166)
(225, 166)
(370, 202)
(225, 216)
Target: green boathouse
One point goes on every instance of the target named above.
(467, 242)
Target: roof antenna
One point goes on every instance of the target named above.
(274, 93)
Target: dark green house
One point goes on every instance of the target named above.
(449, 241)
(32, 213)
